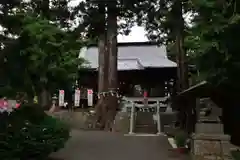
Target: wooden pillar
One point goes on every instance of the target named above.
(191, 114)
(197, 102)
(181, 115)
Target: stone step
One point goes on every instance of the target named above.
(144, 118)
(146, 129)
(145, 125)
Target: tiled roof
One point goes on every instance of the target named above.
(129, 64)
(131, 57)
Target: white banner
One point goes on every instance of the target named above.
(12, 103)
(77, 98)
(90, 97)
(61, 98)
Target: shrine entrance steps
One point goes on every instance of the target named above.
(144, 123)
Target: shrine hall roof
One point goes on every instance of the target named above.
(132, 56)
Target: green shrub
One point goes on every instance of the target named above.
(181, 139)
(236, 154)
(29, 133)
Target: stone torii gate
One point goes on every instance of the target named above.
(157, 104)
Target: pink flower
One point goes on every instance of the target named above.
(2, 103)
(18, 105)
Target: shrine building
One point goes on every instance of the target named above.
(141, 66)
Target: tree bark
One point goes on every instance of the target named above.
(45, 9)
(182, 69)
(44, 98)
(113, 56)
(101, 107)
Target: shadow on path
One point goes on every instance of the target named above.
(98, 145)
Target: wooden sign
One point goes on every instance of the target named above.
(77, 98)
(61, 98)
(12, 103)
(90, 97)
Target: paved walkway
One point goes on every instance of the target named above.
(97, 145)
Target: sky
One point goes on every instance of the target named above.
(137, 34)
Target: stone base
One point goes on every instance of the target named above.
(210, 147)
(76, 120)
(212, 137)
(122, 122)
(211, 157)
(209, 128)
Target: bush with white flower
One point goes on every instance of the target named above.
(4, 106)
(29, 133)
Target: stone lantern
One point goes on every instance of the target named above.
(54, 99)
(54, 102)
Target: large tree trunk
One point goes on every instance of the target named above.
(101, 107)
(44, 98)
(112, 71)
(182, 69)
(45, 9)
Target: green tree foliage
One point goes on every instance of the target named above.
(49, 50)
(99, 20)
(165, 24)
(45, 57)
(209, 40)
(90, 15)
(213, 42)
(38, 48)
(57, 12)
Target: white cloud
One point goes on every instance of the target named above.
(74, 2)
(137, 33)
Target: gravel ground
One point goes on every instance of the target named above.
(99, 145)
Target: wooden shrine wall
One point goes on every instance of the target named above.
(155, 80)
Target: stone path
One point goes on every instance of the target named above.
(97, 145)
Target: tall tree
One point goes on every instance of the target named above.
(113, 57)
(213, 45)
(91, 14)
(165, 24)
(13, 20)
(103, 62)
(44, 58)
(183, 82)
(9, 23)
(215, 51)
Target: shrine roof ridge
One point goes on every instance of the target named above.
(148, 54)
(125, 44)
